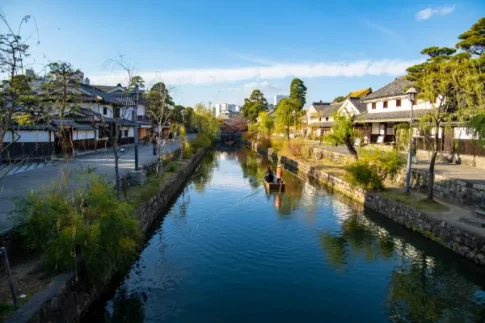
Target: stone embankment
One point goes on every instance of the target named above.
(64, 299)
(465, 242)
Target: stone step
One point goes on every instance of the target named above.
(480, 213)
(473, 221)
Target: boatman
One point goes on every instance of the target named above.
(279, 174)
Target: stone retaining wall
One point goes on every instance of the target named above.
(455, 190)
(460, 240)
(463, 242)
(65, 300)
(338, 158)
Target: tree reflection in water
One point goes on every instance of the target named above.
(127, 307)
(203, 175)
(420, 289)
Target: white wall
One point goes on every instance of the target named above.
(83, 134)
(28, 136)
(391, 105)
(130, 132)
(375, 128)
(462, 133)
(141, 110)
(99, 108)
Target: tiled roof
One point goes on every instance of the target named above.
(326, 109)
(113, 98)
(358, 104)
(391, 116)
(397, 87)
(327, 124)
(33, 127)
(106, 88)
(63, 123)
(79, 126)
(360, 93)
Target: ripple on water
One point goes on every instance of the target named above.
(225, 252)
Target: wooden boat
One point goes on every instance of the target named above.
(274, 187)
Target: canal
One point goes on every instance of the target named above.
(226, 251)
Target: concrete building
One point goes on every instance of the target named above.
(225, 109)
(277, 98)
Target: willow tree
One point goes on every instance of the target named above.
(343, 133)
(266, 123)
(285, 115)
(159, 108)
(205, 122)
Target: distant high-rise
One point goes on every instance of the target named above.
(225, 109)
(277, 98)
(29, 72)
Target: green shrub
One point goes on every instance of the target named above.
(186, 150)
(296, 147)
(277, 144)
(360, 174)
(86, 226)
(373, 168)
(201, 141)
(171, 166)
(299, 148)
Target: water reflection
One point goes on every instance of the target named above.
(254, 167)
(227, 251)
(420, 289)
(205, 171)
(127, 307)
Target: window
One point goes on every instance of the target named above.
(374, 105)
(126, 133)
(385, 105)
(326, 119)
(398, 103)
(105, 111)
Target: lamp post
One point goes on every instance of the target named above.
(412, 97)
(135, 95)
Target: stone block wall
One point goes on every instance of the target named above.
(338, 158)
(463, 242)
(455, 190)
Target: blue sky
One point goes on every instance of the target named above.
(220, 50)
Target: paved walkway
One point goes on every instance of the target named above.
(20, 183)
(466, 173)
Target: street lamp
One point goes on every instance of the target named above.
(412, 97)
(135, 94)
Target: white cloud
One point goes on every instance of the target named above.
(265, 85)
(277, 71)
(429, 12)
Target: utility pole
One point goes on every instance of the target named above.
(412, 97)
(135, 95)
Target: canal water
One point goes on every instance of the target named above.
(227, 251)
